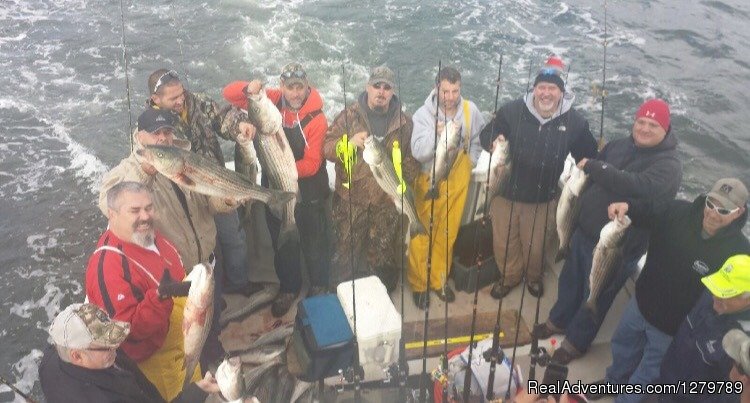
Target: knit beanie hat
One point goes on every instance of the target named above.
(657, 110)
(551, 72)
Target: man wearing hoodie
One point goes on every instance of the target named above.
(376, 237)
(686, 241)
(451, 193)
(541, 129)
(641, 168)
(305, 126)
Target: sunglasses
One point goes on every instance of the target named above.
(100, 349)
(383, 86)
(165, 78)
(296, 74)
(719, 210)
(549, 71)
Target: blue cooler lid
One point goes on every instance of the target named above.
(327, 319)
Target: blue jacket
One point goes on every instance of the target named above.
(696, 353)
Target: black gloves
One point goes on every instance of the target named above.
(169, 288)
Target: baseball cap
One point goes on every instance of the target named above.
(153, 119)
(732, 279)
(80, 326)
(293, 73)
(730, 192)
(737, 345)
(381, 74)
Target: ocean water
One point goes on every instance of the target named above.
(64, 114)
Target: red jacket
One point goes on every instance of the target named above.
(126, 287)
(314, 131)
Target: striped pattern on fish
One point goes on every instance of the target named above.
(607, 257)
(444, 157)
(253, 303)
(275, 157)
(382, 169)
(202, 175)
(196, 320)
(568, 209)
(500, 166)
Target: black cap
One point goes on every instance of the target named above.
(153, 119)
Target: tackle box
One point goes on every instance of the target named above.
(322, 339)
(378, 322)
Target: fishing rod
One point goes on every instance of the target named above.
(127, 77)
(185, 82)
(535, 356)
(422, 390)
(444, 361)
(604, 80)
(16, 390)
(496, 332)
(402, 366)
(356, 370)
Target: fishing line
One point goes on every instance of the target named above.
(604, 80)
(422, 389)
(445, 273)
(179, 44)
(402, 364)
(355, 358)
(16, 390)
(127, 76)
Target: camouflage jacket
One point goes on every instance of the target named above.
(365, 189)
(204, 122)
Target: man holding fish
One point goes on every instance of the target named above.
(641, 168)
(372, 193)
(459, 122)
(536, 133)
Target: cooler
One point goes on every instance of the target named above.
(378, 324)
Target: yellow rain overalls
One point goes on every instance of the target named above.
(165, 368)
(457, 187)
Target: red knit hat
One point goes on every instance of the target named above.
(657, 110)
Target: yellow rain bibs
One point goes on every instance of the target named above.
(457, 187)
(165, 367)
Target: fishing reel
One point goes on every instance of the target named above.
(350, 375)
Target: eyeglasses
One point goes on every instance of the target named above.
(100, 348)
(549, 71)
(296, 73)
(161, 81)
(719, 210)
(384, 86)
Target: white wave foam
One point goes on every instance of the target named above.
(28, 367)
(50, 302)
(39, 243)
(82, 161)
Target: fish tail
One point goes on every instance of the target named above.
(433, 193)
(189, 366)
(288, 232)
(562, 253)
(278, 201)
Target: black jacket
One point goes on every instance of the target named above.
(538, 151)
(678, 257)
(122, 383)
(624, 172)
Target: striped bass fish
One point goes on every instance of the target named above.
(275, 156)
(196, 320)
(499, 167)
(445, 156)
(607, 256)
(385, 175)
(204, 176)
(568, 209)
(230, 380)
(253, 303)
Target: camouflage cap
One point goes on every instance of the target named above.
(381, 74)
(81, 326)
(293, 73)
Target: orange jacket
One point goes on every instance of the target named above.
(314, 131)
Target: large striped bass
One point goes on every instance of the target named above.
(607, 256)
(196, 320)
(204, 176)
(385, 175)
(445, 156)
(275, 157)
(568, 208)
(230, 380)
(499, 167)
(253, 303)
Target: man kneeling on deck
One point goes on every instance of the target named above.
(83, 364)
